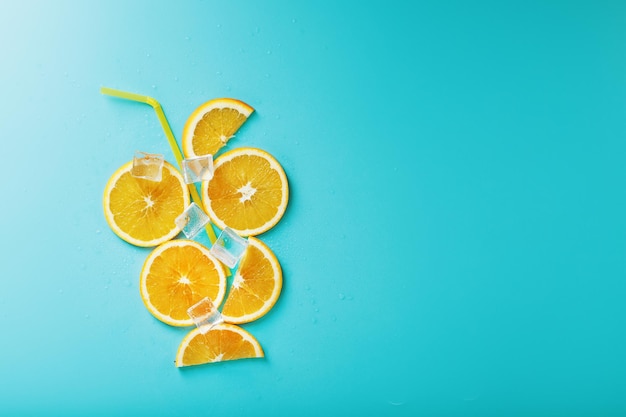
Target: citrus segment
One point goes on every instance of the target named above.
(142, 212)
(175, 276)
(248, 191)
(256, 285)
(224, 342)
(212, 125)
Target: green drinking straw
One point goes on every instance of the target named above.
(170, 139)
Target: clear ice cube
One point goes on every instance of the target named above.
(192, 220)
(229, 247)
(205, 315)
(198, 169)
(148, 166)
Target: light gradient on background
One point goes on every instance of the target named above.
(455, 238)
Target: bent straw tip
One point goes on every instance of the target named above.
(131, 96)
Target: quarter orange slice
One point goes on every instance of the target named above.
(212, 125)
(142, 212)
(224, 342)
(248, 191)
(178, 274)
(256, 285)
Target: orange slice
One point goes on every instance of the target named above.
(256, 285)
(212, 125)
(142, 212)
(224, 342)
(178, 274)
(248, 191)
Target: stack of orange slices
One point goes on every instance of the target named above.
(248, 193)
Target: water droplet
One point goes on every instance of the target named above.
(60, 291)
(269, 52)
(153, 87)
(342, 296)
(86, 316)
(126, 283)
(148, 54)
(98, 231)
(219, 25)
(314, 321)
(175, 78)
(218, 73)
(293, 20)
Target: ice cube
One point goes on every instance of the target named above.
(198, 169)
(192, 220)
(229, 247)
(205, 315)
(148, 166)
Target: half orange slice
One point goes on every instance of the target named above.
(224, 342)
(256, 285)
(212, 125)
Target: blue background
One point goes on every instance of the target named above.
(454, 243)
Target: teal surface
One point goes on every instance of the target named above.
(455, 239)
